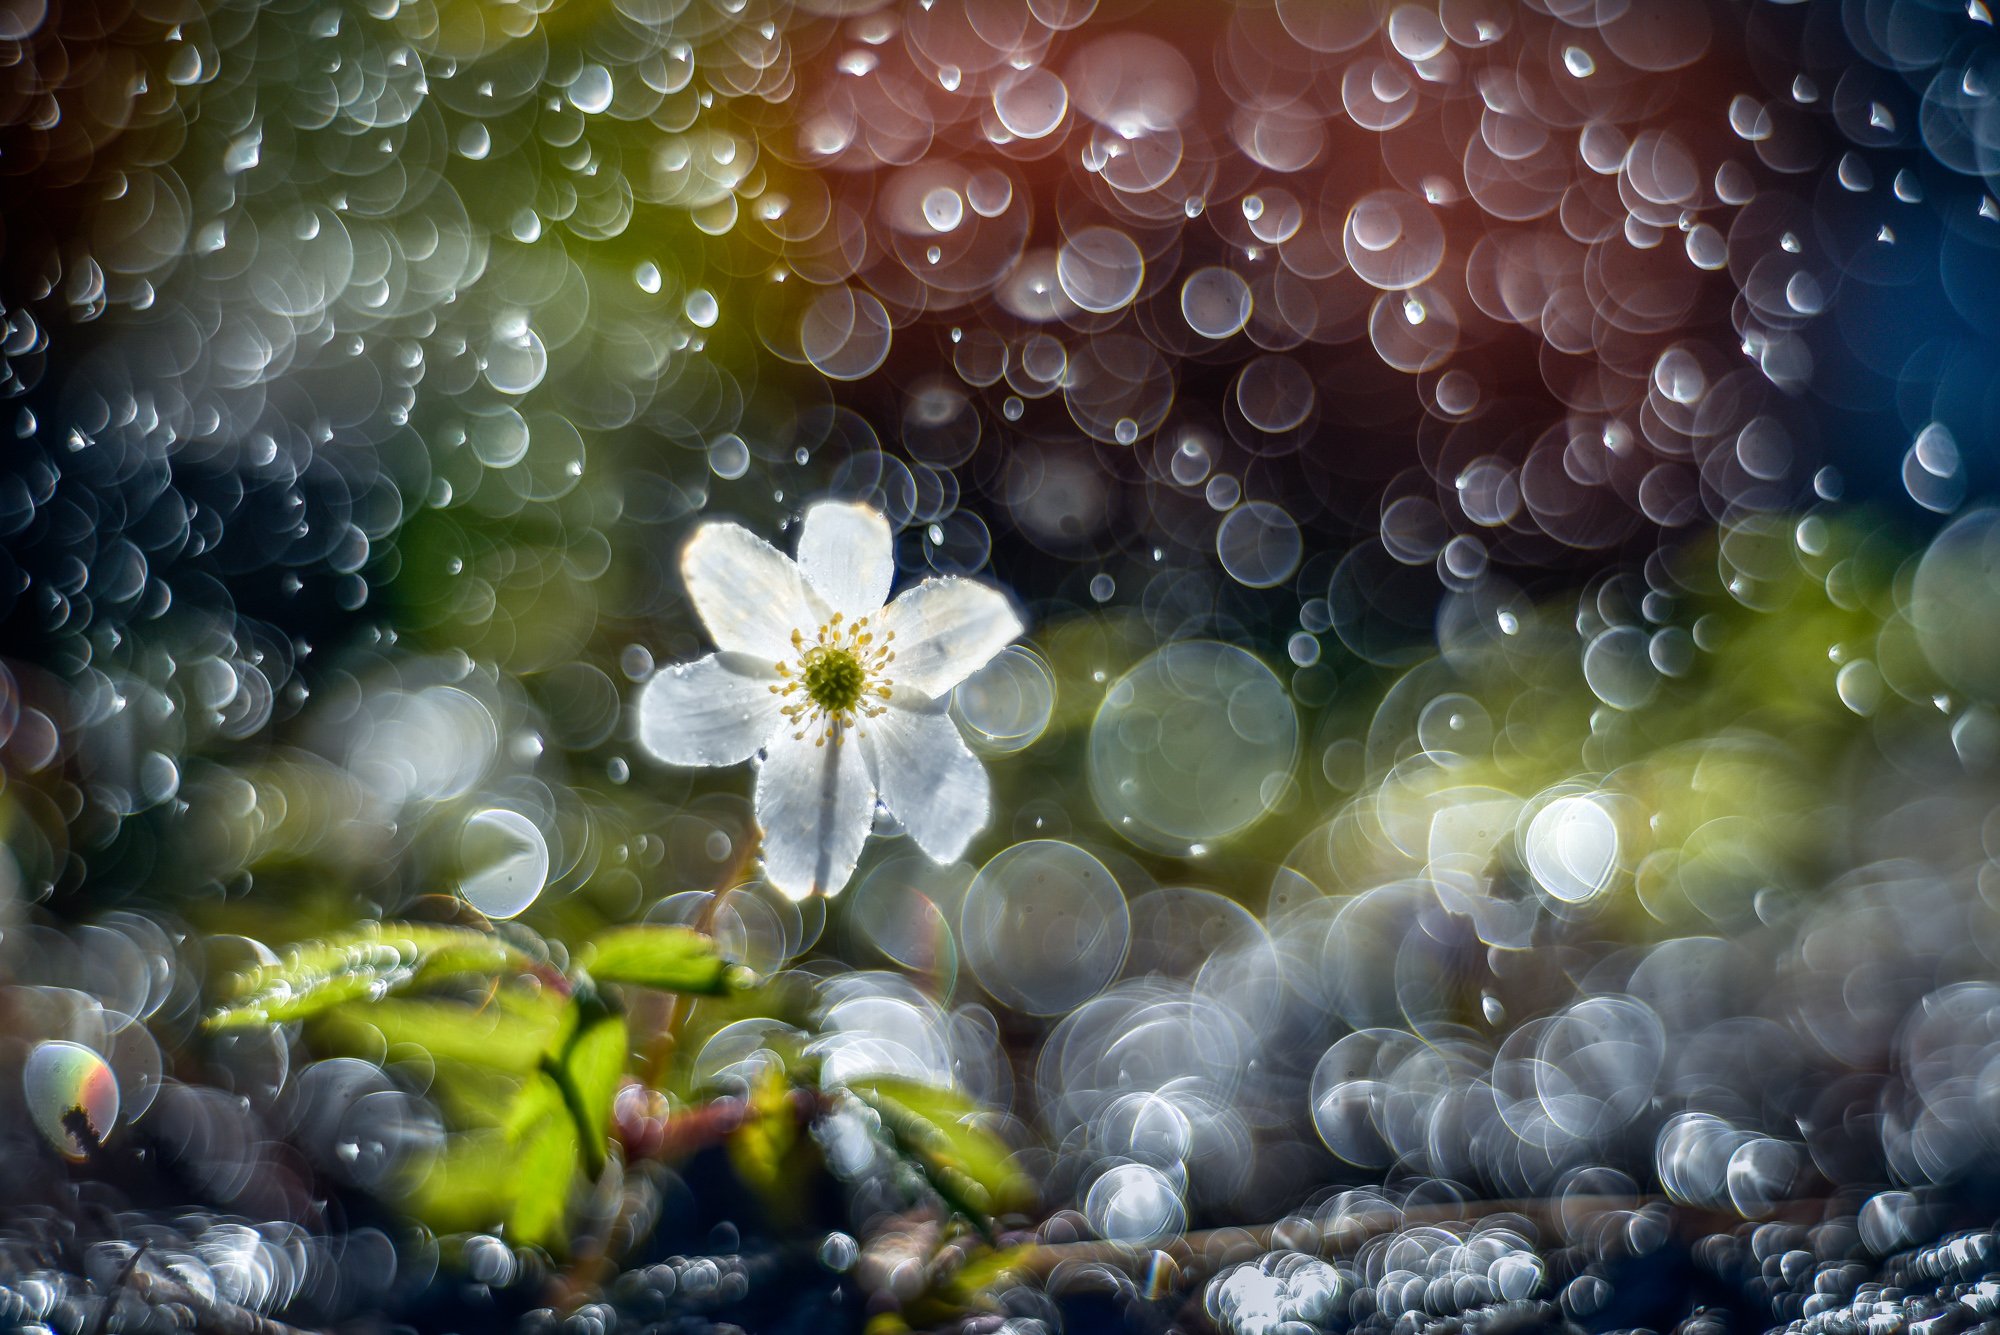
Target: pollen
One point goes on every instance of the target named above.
(839, 678)
(833, 679)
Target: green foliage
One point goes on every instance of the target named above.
(940, 1132)
(587, 1071)
(671, 959)
(527, 1062)
(510, 1033)
(767, 1151)
(542, 1141)
(366, 964)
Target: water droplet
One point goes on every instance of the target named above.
(838, 1252)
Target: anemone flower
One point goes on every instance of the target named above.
(843, 697)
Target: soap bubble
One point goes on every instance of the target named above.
(71, 1094)
(504, 861)
(1955, 603)
(1044, 926)
(1572, 849)
(1007, 704)
(1135, 1203)
(1194, 743)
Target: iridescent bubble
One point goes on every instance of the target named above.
(989, 192)
(499, 440)
(516, 357)
(1100, 269)
(1955, 603)
(1193, 744)
(1933, 472)
(1416, 32)
(838, 1252)
(1393, 240)
(1030, 103)
(1007, 704)
(71, 1094)
(1132, 82)
(1034, 290)
(590, 92)
(1215, 302)
(1135, 1203)
(890, 917)
(504, 862)
(1889, 1221)
(1275, 394)
(1329, 28)
(845, 333)
(1760, 1175)
(1706, 248)
(729, 456)
(944, 209)
(701, 308)
(1571, 849)
(1349, 1087)
(1044, 927)
(1259, 544)
(1618, 667)
(1457, 392)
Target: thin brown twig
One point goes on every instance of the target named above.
(660, 1047)
(212, 1316)
(103, 1321)
(1200, 1252)
(593, 1264)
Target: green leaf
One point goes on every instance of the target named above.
(970, 1288)
(540, 1166)
(939, 1131)
(987, 1271)
(672, 959)
(758, 1149)
(508, 1037)
(474, 1097)
(460, 1191)
(591, 1064)
(368, 963)
(540, 1098)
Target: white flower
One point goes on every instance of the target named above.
(844, 697)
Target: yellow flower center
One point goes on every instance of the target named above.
(839, 677)
(833, 678)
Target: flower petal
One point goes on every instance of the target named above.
(848, 553)
(750, 595)
(946, 629)
(714, 711)
(816, 804)
(929, 780)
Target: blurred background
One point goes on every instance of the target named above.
(1494, 811)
